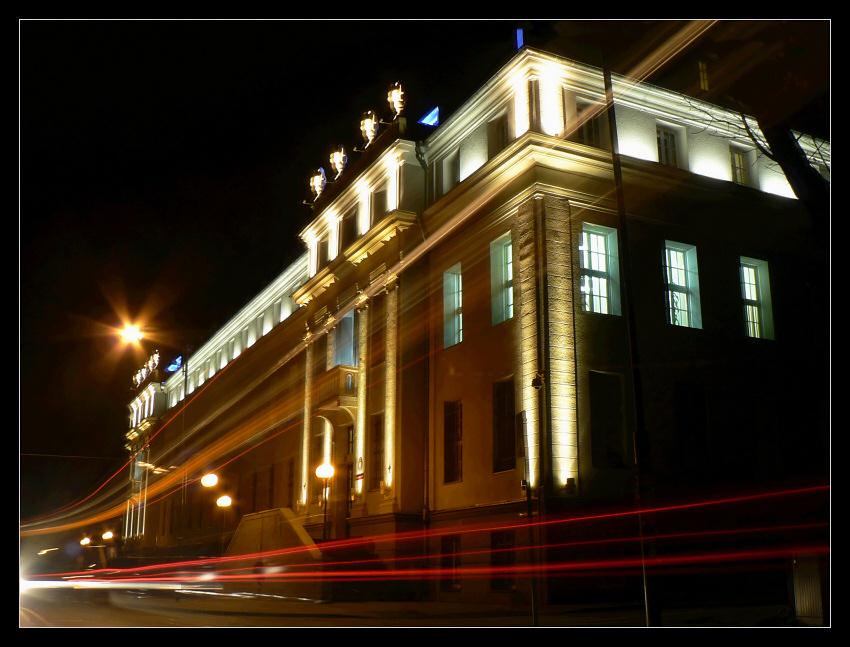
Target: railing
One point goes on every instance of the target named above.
(336, 383)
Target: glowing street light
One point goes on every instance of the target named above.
(325, 471)
(131, 334)
(209, 480)
(223, 502)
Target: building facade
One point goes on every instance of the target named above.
(547, 304)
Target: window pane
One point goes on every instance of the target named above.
(501, 280)
(755, 295)
(598, 261)
(452, 306)
(682, 285)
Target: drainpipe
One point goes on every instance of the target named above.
(625, 278)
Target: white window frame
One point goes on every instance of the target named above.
(501, 279)
(681, 273)
(672, 156)
(452, 306)
(740, 161)
(600, 269)
(755, 295)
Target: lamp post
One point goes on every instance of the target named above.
(223, 502)
(325, 471)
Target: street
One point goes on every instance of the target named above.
(118, 608)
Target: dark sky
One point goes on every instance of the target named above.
(163, 167)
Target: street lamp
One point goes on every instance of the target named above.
(131, 334)
(325, 471)
(209, 480)
(223, 502)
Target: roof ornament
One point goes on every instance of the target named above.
(368, 128)
(396, 99)
(318, 182)
(338, 160)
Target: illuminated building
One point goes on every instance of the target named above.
(506, 297)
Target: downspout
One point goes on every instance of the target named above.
(625, 277)
(426, 444)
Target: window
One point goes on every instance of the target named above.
(452, 442)
(740, 166)
(600, 272)
(322, 253)
(450, 563)
(345, 342)
(376, 451)
(379, 204)
(452, 306)
(755, 292)
(683, 305)
(502, 558)
(451, 171)
(497, 135)
(501, 279)
(608, 442)
(504, 426)
(590, 120)
(690, 409)
(703, 75)
(667, 146)
(348, 228)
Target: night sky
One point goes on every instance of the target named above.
(163, 170)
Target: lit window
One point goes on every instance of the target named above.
(755, 292)
(452, 306)
(345, 341)
(682, 274)
(667, 147)
(501, 279)
(740, 166)
(599, 269)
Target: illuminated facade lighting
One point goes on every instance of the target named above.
(369, 128)
(318, 182)
(396, 99)
(338, 160)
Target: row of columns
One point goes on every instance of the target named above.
(361, 416)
